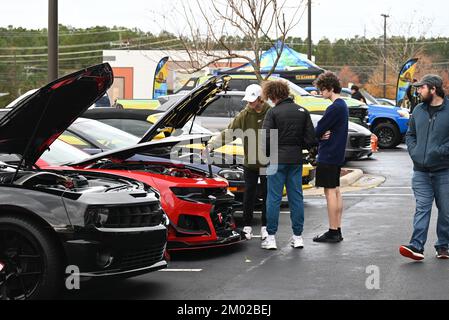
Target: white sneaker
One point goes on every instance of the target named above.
(263, 233)
(297, 242)
(248, 231)
(269, 243)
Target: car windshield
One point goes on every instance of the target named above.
(24, 96)
(62, 153)
(369, 98)
(196, 129)
(297, 90)
(110, 137)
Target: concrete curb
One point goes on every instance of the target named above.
(351, 177)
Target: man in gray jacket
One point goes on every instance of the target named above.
(428, 145)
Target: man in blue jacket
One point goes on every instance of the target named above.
(332, 132)
(428, 145)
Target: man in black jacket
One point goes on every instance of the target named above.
(428, 145)
(293, 127)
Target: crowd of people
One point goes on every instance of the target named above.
(289, 127)
(278, 121)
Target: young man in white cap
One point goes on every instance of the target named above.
(250, 118)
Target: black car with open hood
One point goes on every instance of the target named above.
(57, 224)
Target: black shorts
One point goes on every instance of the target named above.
(327, 176)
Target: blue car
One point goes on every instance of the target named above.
(388, 123)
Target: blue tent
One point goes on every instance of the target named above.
(292, 65)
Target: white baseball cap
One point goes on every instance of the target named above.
(252, 92)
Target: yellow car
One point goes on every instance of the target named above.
(138, 104)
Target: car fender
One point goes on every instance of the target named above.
(48, 207)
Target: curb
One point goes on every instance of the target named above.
(351, 177)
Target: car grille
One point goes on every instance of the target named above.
(203, 195)
(361, 142)
(134, 216)
(140, 258)
(361, 113)
(223, 221)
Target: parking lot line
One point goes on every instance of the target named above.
(378, 195)
(181, 270)
(393, 187)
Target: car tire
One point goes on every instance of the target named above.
(37, 272)
(388, 135)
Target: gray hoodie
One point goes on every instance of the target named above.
(428, 138)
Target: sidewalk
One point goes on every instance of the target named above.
(354, 180)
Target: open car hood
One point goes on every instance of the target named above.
(188, 106)
(36, 121)
(152, 148)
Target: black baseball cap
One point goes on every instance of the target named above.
(431, 80)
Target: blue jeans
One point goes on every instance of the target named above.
(428, 186)
(290, 176)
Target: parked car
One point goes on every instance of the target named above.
(386, 102)
(57, 218)
(221, 111)
(360, 143)
(388, 123)
(135, 121)
(197, 201)
(358, 112)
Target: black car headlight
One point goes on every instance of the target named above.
(165, 220)
(233, 175)
(96, 217)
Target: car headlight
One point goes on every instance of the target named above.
(165, 220)
(404, 113)
(234, 175)
(96, 217)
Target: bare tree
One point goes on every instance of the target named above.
(409, 42)
(215, 25)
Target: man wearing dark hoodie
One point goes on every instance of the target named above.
(248, 123)
(428, 145)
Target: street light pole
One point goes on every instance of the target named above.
(309, 37)
(52, 40)
(385, 53)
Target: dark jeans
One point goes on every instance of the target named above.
(250, 196)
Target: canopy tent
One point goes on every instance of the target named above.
(292, 65)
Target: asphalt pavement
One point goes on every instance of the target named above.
(366, 265)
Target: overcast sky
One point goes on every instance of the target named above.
(331, 18)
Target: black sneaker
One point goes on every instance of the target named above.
(327, 237)
(411, 252)
(340, 235)
(442, 253)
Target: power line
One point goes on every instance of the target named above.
(43, 33)
(35, 55)
(114, 42)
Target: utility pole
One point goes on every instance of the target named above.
(309, 37)
(385, 53)
(52, 40)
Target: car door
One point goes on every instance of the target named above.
(216, 116)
